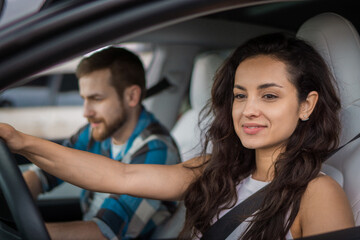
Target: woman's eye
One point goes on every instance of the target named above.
(269, 96)
(239, 96)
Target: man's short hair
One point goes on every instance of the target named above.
(126, 68)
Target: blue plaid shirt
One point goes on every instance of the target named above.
(123, 216)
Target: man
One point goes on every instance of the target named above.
(112, 84)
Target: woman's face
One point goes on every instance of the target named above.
(265, 109)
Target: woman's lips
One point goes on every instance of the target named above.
(252, 128)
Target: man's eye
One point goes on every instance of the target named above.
(270, 96)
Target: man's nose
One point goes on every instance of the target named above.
(88, 110)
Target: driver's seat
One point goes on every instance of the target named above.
(338, 42)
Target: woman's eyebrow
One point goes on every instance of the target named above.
(262, 86)
(267, 85)
(239, 87)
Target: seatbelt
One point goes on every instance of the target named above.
(231, 220)
(339, 148)
(224, 226)
(162, 85)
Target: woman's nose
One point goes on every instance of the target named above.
(251, 108)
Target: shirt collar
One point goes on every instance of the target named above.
(145, 119)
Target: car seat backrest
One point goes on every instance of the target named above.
(338, 42)
(186, 131)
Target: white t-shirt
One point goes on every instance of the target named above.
(245, 188)
(116, 149)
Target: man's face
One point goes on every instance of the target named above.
(102, 107)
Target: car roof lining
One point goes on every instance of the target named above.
(258, 14)
(201, 32)
(289, 15)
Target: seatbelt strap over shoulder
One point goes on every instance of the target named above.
(224, 226)
(230, 221)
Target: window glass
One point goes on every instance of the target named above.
(49, 105)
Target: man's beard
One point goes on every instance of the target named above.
(106, 130)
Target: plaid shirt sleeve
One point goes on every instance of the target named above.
(126, 217)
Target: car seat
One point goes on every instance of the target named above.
(338, 42)
(186, 131)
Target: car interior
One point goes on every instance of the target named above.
(188, 53)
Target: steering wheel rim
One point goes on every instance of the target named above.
(20, 202)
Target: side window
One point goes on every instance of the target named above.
(11, 97)
(47, 90)
(49, 105)
(68, 92)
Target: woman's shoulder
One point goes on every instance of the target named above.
(324, 192)
(323, 183)
(324, 207)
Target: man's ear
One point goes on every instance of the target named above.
(132, 95)
(307, 106)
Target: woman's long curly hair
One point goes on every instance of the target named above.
(230, 162)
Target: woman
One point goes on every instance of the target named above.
(275, 120)
(284, 122)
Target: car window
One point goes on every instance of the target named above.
(48, 90)
(49, 105)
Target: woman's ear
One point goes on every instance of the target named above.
(307, 106)
(132, 95)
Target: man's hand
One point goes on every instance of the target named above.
(13, 138)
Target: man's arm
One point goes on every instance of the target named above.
(101, 174)
(74, 230)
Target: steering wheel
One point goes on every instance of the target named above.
(26, 215)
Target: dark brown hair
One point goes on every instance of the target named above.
(231, 162)
(126, 68)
